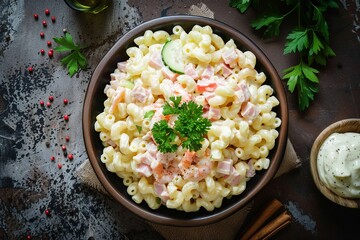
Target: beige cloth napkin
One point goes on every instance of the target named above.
(225, 229)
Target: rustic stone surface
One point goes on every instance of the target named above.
(30, 134)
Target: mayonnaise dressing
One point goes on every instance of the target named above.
(338, 164)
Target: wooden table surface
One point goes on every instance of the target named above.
(29, 134)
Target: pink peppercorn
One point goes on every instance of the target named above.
(59, 165)
(67, 138)
(51, 98)
(70, 156)
(53, 19)
(66, 101)
(49, 43)
(36, 16)
(44, 23)
(48, 104)
(30, 69)
(66, 117)
(42, 34)
(52, 158)
(63, 147)
(42, 51)
(41, 102)
(47, 11)
(47, 212)
(50, 53)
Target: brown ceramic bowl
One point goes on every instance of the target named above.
(93, 105)
(346, 125)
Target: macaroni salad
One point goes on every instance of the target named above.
(217, 76)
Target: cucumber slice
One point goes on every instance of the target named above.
(172, 56)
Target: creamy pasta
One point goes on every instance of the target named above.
(217, 76)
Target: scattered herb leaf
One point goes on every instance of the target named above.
(298, 77)
(139, 128)
(309, 39)
(242, 5)
(149, 114)
(75, 60)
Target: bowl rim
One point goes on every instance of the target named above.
(278, 151)
(324, 134)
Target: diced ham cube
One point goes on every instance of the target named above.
(151, 149)
(191, 71)
(156, 60)
(107, 87)
(140, 94)
(234, 178)
(226, 71)
(161, 191)
(117, 75)
(122, 66)
(167, 73)
(243, 93)
(251, 171)
(120, 94)
(229, 56)
(208, 95)
(144, 170)
(206, 85)
(208, 72)
(249, 111)
(178, 90)
(225, 167)
(212, 114)
(114, 84)
(220, 80)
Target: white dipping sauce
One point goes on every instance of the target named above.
(338, 164)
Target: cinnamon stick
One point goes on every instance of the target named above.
(272, 227)
(277, 230)
(265, 215)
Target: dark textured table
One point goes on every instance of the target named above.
(30, 134)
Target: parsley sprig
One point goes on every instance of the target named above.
(75, 60)
(190, 126)
(309, 39)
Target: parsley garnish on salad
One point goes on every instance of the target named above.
(190, 126)
(309, 39)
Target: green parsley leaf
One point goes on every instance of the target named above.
(292, 75)
(320, 23)
(75, 60)
(139, 128)
(309, 39)
(332, 4)
(309, 73)
(175, 109)
(271, 22)
(149, 114)
(316, 45)
(241, 5)
(66, 43)
(190, 126)
(297, 41)
(321, 56)
(164, 136)
(303, 78)
(306, 93)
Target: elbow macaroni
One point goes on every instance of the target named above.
(240, 108)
